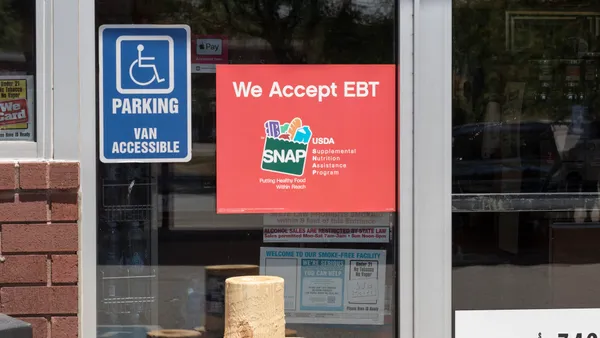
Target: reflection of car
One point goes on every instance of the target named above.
(581, 157)
(505, 157)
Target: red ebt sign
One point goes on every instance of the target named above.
(306, 138)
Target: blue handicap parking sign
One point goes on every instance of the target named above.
(144, 93)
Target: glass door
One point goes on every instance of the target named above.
(506, 169)
(162, 251)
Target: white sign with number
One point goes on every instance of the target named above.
(550, 323)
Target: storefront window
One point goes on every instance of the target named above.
(163, 252)
(525, 163)
(17, 70)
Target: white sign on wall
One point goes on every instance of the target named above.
(329, 286)
(550, 323)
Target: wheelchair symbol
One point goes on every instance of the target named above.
(149, 60)
(139, 63)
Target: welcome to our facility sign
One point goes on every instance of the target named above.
(306, 138)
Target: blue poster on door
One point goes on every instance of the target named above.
(144, 93)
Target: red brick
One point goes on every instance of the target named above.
(24, 207)
(33, 175)
(23, 269)
(64, 175)
(39, 325)
(65, 327)
(63, 207)
(20, 238)
(8, 176)
(64, 269)
(38, 300)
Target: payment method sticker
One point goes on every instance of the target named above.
(208, 51)
(306, 138)
(16, 113)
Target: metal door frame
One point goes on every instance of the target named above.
(405, 229)
(88, 155)
(432, 169)
(419, 289)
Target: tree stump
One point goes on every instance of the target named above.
(254, 307)
(174, 334)
(215, 293)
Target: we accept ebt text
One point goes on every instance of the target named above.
(320, 92)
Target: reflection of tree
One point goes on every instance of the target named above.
(297, 31)
(279, 23)
(315, 31)
(10, 27)
(479, 48)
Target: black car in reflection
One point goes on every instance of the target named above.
(525, 157)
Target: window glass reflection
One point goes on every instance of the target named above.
(525, 154)
(160, 242)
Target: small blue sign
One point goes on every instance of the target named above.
(145, 93)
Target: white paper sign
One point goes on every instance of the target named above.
(330, 219)
(329, 286)
(326, 234)
(552, 323)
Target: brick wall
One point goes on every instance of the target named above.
(39, 246)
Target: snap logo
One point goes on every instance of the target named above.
(286, 147)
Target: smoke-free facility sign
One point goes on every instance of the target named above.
(306, 138)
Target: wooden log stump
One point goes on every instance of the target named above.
(215, 293)
(254, 307)
(174, 334)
